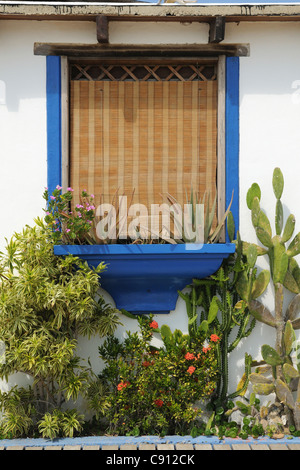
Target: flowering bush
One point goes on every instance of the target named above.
(70, 226)
(156, 390)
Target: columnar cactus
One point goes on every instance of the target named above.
(216, 306)
(284, 273)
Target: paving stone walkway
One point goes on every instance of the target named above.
(148, 443)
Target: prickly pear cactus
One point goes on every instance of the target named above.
(281, 248)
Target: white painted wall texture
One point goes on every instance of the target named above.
(269, 128)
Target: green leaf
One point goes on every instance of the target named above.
(284, 394)
(271, 356)
(213, 310)
(230, 226)
(263, 389)
(290, 283)
(263, 229)
(128, 314)
(251, 254)
(242, 286)
(289, 338)
(210, 422)
(290, 371)
(289, 228)
(165, 332)
(278, 217)
(278, 183)
(259, 379)
(255, 210)
(281, 262)
(294, 247)
(193, 319)
(260, 284)
(253, 192)
(203, 326)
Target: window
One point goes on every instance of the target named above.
(148, 129)
(153, 127)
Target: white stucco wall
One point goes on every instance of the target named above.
(269, 127)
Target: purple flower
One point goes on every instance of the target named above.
(70, 189)
(53, 198)
(68, 230)
(58, 187)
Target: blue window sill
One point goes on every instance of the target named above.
(146, 278)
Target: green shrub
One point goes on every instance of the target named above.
(46, 302)
(157, 390)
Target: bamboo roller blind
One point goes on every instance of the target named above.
(153, 136)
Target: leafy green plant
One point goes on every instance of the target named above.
(70, 225)
(46, 302)
(250, 426)
(284, 274)
(155, 390)
(66, 423)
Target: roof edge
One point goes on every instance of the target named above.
(141, 11)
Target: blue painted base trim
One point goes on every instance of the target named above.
(120, 440)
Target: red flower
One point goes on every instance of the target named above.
(189, 356)
(214, 338)
(146, 363)
(122, 385)
(191, 370)
(206, 349)
(153, 324)
(159, 403)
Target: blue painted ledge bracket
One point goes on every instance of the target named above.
(232, 139)
(146, 278)
(53, 89)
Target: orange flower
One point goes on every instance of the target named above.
(159, 403)
(153, 324)
(214, 338)
(191, 370)
(189, 356)
(122, 385)
(206, 349)
(146, 363)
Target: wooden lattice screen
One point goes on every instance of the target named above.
(151, 129)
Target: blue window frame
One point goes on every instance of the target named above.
(54, 139)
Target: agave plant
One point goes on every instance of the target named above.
(196, 223)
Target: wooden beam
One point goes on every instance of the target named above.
(64, 123)
(108, 51)
(217, 29)
(102, 29)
